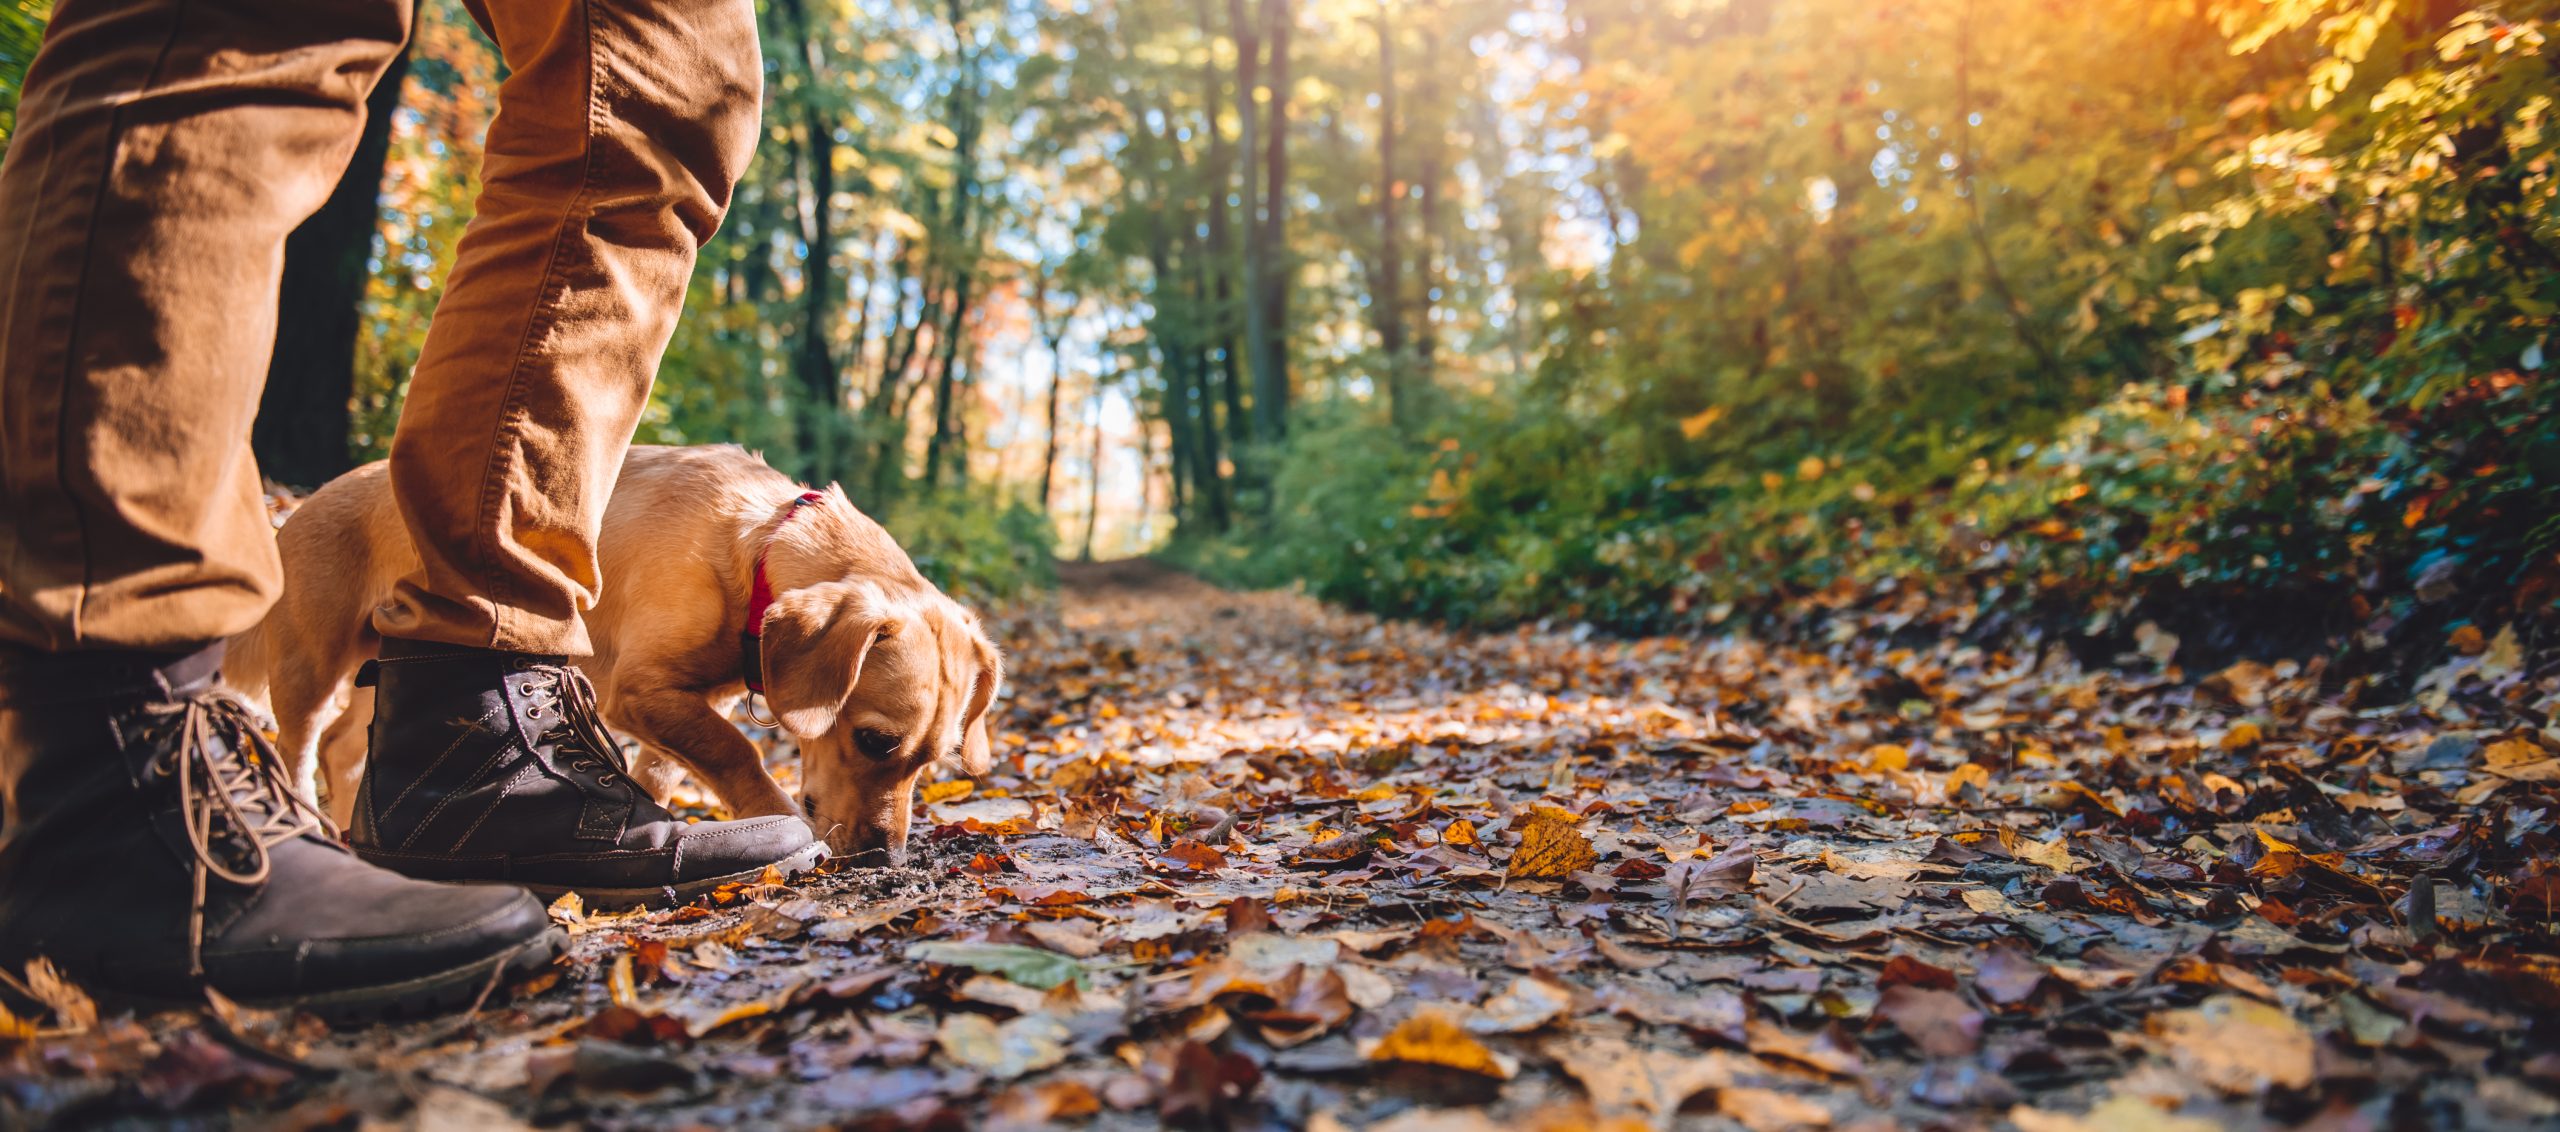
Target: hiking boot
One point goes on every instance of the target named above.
(494, 766)
(151, 848)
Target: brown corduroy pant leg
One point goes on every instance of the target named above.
(164, 150)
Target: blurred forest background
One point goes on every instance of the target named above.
(2226, 315)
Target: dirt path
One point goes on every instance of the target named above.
(1253, 861)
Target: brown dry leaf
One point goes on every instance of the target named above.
(1626, 958)
(2237, 1045)
(1940, 1022)
(2119, 1113)
(2007, 975)
(1988, 902)
(1705, 1010)
(2054, 854)
(1433, 1038)
(2522, 760)
(73, 1010)
(1880, 869)
(1074, 938)
(1619, 1076)
(1305, 1004)
(1047, 1102)
(1528, 1003)
(1826, 1049)
(1768, 1110)
(1026, 1044)
(1550, 846)
(1189, 855)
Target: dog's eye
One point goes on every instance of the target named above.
(877, 744)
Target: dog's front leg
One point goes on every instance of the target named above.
(683, 725)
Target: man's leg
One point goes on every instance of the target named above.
(621, 129)
(165, 148)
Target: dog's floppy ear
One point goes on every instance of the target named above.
(977, 753)
(815, 640)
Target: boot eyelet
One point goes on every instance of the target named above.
(608, 780)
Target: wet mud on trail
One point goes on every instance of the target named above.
(1247, 860)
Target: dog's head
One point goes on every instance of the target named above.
(877, 684)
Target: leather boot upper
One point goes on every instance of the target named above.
(151, 847)
(495, 766)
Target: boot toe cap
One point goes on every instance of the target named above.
(720, 849)
(361, 927)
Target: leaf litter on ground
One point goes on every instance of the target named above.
(1251, 861)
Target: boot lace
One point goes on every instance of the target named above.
(234, 799)
(581, 726)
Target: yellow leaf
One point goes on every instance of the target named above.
(618, 982)
(73, 1011)
(2054, 854)
(1975, 774)
(951, 791)
(1696, 424)
(2242, 737)
(1460, 832)
(1888, 756)
(1433, 1038)
(1550, 846)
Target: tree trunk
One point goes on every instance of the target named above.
(1093, 475)
(305, 415)
(1388, 303)
(1426, 336)
(1245, 28)
(1055, 334)
(1212, 476)
(1222, 332)
(947, 349)
(1271, 372)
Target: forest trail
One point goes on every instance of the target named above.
(1248, 860)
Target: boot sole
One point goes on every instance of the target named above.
(670, 895)
(427, 996)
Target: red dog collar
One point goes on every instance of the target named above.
(760, 598)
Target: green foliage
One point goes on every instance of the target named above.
(975, 547)
(21, 31)
(2129, 311)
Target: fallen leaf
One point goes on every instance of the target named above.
(2007, 975)
(1826, 1049)
(1940, 1022)
(2054, 854)
(2236, 1044)
(73, 1010)
(1767, 1110)
(1025, 1044)
(1528, 1003)
(1029, 966)
(1619, 1076)
(1551, 846)
(1431, 1037)
(1305, 1004)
